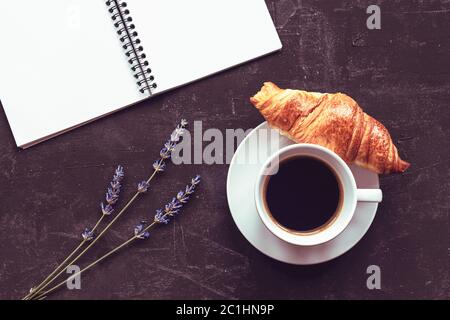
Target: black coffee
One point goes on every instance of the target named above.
(303, 195)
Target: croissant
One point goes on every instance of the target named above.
(334, 121)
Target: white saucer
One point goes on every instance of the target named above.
(240, 192)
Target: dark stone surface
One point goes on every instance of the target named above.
(399, 74)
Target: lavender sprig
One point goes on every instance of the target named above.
(159, 165)
(169, 146)
(174, 206)
(113, 192)
(111, 199)
(112, 195)
(141, 231)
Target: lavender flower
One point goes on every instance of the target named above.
(106, 210)
(170, 145)
(88, 234)
(160, 217)
(175, 205)
(176, 134)
(159, 165)
(112, 194)
(140, 232)
(183, 123)
(164, 153)
(111, 197)
(143, 186)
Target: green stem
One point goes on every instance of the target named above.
(39, 287)
(136, 195)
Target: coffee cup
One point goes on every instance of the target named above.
(303, 184)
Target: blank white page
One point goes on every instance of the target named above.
(186, 40)
(61, 65)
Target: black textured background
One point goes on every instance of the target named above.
(399, 74)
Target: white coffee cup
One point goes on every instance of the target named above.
(350, 195)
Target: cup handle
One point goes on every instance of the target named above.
(369, 195)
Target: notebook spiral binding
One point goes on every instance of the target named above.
(134, 51)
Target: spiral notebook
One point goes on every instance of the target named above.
(64, 63)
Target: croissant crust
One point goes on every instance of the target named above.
(334, 121)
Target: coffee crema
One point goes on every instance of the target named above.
(304, 196)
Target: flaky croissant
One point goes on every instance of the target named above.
(334, 121)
